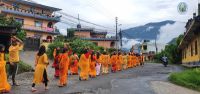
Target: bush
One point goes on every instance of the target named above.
(188, 78)
(51, 48)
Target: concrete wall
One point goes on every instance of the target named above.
(82, 34)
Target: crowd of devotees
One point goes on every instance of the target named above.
(89, 65)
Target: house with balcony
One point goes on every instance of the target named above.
(38, 20)
(190, 45)
(97, 37)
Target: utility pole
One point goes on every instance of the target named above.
(120, 34)
(116, 19)
(156, 47)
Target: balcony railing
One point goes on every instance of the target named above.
(23, 12)
(39, 29)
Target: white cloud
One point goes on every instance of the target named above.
(170, 31)
(128, 43)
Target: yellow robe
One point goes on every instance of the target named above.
(84, 65)
(42, 63)
(105, 63)
(4, 85)
(125, 60)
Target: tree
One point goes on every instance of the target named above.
(70, 33)
(4, 21)
(172, 52)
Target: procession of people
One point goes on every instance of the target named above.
(90, 65)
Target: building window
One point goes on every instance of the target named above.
(19, 20)
(191, 49)
(38, 24)
(196, 48)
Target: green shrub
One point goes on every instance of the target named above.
(188, 78)
(52, 46)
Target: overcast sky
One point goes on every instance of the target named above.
(129, 12)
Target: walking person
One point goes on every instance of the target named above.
(99, 62)
(93, 72)
(4, 85)
(63, 68)
(84, 65)
(16, 46)
(40, 74)
(56, 62)
(74, 64)
(113, 61)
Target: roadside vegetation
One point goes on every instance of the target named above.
(188, 78)
(171, 51)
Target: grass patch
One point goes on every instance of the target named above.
(189, 78)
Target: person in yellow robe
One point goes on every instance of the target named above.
(63, 68)
(129, 60)
(119, 61)
(40, 74)
(92, 71)
(125, 60)
(84, 65)
(113, 61)
(4, 85)
(74, 64)
(105, 63)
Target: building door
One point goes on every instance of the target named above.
(32, 44)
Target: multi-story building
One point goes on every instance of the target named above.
(38, 20)
(190, 45)
(97, 37)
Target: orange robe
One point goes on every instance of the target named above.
(73, 64)
(63, 66)
(113, 61)
(119, 62)
(84, 65)
(134, 58)
(129, 61)
(4, 85)
(92, 71)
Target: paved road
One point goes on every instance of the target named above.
(131, 81)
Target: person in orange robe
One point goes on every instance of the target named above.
(56, 62)
(40, 74)
(92, 71)
(4, 85)
(74, 64)
(113, 61)
(63, 68)
(84, 65)
(129, 60)
(119, 61)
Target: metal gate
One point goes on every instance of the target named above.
(32, 44)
